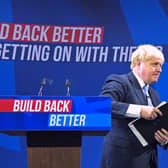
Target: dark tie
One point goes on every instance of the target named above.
(146, 93)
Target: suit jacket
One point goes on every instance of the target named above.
(125, 90)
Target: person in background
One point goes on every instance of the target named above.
(121, 148)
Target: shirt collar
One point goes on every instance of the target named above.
(140, 81)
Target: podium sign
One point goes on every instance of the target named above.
(29, 113)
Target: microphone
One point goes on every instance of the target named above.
(42, 84)
(67, 83)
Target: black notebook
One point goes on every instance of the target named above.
(144, 129)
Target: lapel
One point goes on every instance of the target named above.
(152, 96)
(137, 89)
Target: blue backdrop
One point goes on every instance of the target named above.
(126, 24)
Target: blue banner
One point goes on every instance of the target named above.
(23, 113)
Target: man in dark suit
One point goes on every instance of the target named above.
(121, 148)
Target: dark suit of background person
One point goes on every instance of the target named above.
(121, 148)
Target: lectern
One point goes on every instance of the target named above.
(54, 115)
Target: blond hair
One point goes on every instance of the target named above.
(144, 53)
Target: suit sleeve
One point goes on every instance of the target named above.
(115, 87)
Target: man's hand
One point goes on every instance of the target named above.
(150, 113)
(161, 136)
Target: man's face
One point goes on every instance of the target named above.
(151, 69)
